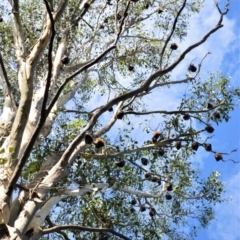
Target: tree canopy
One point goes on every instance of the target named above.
(89, 147)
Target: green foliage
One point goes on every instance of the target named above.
(169, 186)
(3, 161)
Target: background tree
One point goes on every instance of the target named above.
(75, 76)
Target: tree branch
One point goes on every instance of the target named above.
(25, 78)
(18, 32)
(73, 75)
(51, 224)
(48, 80)
(9, 102)
(64, 159)
(146, 147)
(173, 112)
(82, 228)
(61, 7)
(27, 151)
(7, 88)
(171, 33)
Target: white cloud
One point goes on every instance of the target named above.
(219, 44)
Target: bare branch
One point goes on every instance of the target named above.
(51, 224)
(181, 57)
(115, 155)
(171, 33)
(161, 72)
(48, 80)
(7, 88)
(18, 32)
(61, 7)
(121, 23)
(40, 45)
(73, 75)
(82, 228)
(60, 168)
(68, 152)
(226, 160)
(170, 112)
(27, 151)
(85, 9)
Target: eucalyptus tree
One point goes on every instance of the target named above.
(80, 155)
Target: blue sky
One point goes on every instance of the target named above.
(225, 57)
(226, 226)
(225, 49)
(224, 46)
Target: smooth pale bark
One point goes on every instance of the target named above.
(94, 187)
(27, 68)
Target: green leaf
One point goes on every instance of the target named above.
(2, 150)
(11, 149)
(3, 161)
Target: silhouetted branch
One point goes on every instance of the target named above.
(171, 33)
(82, 228)
(51, 224)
